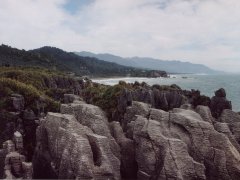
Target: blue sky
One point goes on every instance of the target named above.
(198, 31)
(73, 6)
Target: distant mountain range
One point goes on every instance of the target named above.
(150, 63)
(57, 59)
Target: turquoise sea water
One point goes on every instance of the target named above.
(207, 84)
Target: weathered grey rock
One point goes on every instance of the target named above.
(29, 115)
(229, 116)
(3, 154)
(17, 102)
(72, 150)
(181, 145)
(94, 118)
(14, 161)
(137, 108)
(220, 93)
(124, 100)
(69, 98)
(167, 100)
(163, 157)
(235, 129)
(18, 140)
(233, 120)
(90, 116)
(143, 95)
(27, 170)
(186, 106)
(128, 162)
(224, 128)
(205, 113)
(219, 102)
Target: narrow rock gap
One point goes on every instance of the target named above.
(96, 153)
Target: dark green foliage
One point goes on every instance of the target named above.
(37, 77)
(105, 96)
(6, 131)
(29, 92)
(172, 87)
(33, 83)
(57, 59)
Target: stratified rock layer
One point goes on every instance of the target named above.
(148, 143)
(182, 144)
(67, 150)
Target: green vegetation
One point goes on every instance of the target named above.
(35, 84)
(56, 59)
(105, 96)
(37, 77)
(172, 87)
(30, 93)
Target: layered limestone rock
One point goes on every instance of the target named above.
(17, 102)
(94, 118)
(70, 98)
(67, 149)
(127, 146)
(219, 102)
(229, 124)
(167, 100)
(183, 144)
(15, 165)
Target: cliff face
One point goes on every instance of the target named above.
(81, 147)
(133, 131)
(185, 143)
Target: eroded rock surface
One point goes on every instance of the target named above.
(94, 118)
(219, 102)
(183, 144)
(67, 150)
(127, 146)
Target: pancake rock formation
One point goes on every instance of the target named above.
(185, 143)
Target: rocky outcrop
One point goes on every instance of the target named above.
(70, 98)
(16, 102)
(137, 108)
(219, 102)
(19, 118)
(127, 147)
(63, 82)
(3, 154)
(183, 144)
(231, 120)
(66, 149)
(167, 100)
(143, 94)
(205, 113)
(94, 118)
(13, 163)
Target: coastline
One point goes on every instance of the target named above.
(203, 82)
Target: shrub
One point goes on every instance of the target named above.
(29, 92)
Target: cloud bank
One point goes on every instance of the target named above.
(199, 31)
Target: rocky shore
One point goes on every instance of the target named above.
(129, 131)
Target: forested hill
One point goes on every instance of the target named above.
(171, 66)
(54, 58)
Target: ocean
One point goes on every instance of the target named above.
(207, 84)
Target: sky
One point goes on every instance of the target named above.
(198, 31)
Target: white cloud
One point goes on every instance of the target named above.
(200, 31)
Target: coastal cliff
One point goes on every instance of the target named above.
(126, 131)
(181, 144)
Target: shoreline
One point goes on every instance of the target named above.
(205, 83)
